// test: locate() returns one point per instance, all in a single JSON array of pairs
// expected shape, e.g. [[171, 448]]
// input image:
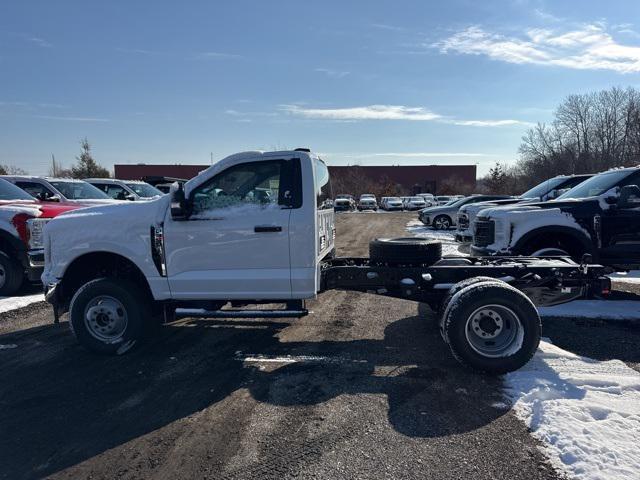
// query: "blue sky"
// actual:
[[370, 82]]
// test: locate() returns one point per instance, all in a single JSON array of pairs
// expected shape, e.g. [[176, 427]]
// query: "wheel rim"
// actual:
[[105, 318], [442, 222], [3, 276], [494, 331]]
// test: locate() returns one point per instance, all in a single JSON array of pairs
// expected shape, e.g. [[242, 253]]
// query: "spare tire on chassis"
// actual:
[[405, 251], [491, 326]]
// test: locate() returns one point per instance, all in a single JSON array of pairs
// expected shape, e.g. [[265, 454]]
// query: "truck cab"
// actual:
[[600, 217], [252, 228]]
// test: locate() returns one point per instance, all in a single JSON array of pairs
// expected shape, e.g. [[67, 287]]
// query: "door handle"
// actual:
[[267, 228]]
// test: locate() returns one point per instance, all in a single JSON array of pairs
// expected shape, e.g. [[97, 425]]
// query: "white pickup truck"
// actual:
[[255, 228]]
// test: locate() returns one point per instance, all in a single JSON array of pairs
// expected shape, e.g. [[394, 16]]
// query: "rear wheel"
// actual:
[[11, 275], [109, 315], [405, 251], [492, 327]]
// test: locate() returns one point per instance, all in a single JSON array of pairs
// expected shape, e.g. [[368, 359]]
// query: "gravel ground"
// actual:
[[363, 387]]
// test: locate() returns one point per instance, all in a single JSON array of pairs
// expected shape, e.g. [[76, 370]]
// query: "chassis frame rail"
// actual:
[[546, 281]]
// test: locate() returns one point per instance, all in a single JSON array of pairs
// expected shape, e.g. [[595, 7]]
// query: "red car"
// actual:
[[22, 219]]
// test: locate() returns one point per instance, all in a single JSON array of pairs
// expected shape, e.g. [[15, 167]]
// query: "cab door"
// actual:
[[235, 243], [621, 232]]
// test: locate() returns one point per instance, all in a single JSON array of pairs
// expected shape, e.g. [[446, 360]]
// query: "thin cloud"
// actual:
[[39, 42], [384, 26], [215, 56], [371, 112], [589, 47], [72, 119], [390, 112], [418, 155], [332, 73]]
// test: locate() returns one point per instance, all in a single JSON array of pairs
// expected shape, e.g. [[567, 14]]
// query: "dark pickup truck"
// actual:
[[599, 217]]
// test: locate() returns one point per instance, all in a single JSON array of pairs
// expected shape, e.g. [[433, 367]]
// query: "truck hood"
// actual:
[[568, 206]]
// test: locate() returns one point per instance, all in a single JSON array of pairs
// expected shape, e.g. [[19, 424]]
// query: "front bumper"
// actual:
[[426, 219], [481, 251], [35, 264]]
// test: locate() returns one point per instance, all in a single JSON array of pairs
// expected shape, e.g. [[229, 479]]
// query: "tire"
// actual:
[[109, 315], [405, 251], [492, 327], [442, 222], [455, 289], [11, 275]]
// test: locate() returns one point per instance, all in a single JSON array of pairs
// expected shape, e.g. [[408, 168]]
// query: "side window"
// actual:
[[247, 185], [115, 191], [35, 189], [324, 194], [632, 201]]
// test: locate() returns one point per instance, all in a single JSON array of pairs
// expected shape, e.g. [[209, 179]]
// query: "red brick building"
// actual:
[[410, 178]]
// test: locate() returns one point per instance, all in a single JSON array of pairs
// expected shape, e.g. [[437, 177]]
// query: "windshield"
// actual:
[[543, 188], [393, 199], [457, 202], [417, 199], [144, 189], [78, 190], [8, 191], [595, 185]]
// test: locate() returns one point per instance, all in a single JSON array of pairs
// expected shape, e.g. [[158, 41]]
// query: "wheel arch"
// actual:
[[92, 265], [541, 236]]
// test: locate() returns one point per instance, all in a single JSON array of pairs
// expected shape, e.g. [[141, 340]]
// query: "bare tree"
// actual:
[[11, 170]]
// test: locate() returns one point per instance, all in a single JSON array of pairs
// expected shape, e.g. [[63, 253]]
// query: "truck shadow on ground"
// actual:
[[61, 405]]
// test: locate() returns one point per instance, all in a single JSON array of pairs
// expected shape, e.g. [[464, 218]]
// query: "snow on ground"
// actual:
[[586, 412], [626, 277], [603, 309], [12, 303], [447, 237]]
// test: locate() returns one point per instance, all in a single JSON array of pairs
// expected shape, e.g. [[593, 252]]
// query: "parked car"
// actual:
[[444, 217], [443, 200], [343, 205], [429, 199], [134, 190], [545, 191], [392, 204], [350, 205], [22, 219], [367, 203], [48, 189], [414, 203], [600, 217], [162, 183]]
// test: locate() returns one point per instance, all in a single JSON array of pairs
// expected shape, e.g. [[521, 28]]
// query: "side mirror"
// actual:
[[629, 194], [44, 197], [179, 209], [131, 197], [611, 200]]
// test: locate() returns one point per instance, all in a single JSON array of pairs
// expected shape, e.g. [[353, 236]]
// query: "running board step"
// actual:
[[199, 313]]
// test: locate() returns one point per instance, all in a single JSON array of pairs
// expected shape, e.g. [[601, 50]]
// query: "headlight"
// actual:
[[35, 227]]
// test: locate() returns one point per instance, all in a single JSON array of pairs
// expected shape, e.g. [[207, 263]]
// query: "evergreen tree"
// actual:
[[87, 167]]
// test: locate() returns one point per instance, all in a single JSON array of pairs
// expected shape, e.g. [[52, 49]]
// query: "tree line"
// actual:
[[589, 133]]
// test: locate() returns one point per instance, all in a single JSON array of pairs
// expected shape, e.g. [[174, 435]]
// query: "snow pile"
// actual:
[[12, 303], [586, 412], [602, 309], [449, 244]]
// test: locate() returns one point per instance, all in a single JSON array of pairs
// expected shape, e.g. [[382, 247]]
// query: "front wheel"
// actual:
[[442, 222], [108, 315], [492, 327], [11, 275]]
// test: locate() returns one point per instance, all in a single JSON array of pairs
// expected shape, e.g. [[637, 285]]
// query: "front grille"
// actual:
[[484, 233], [463, 221]]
